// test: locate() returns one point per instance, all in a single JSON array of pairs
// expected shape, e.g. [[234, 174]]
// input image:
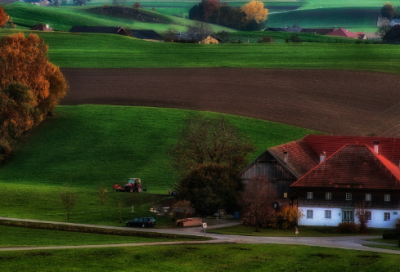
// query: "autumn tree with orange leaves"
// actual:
[[255, 11], [30, 87], [3, 17]]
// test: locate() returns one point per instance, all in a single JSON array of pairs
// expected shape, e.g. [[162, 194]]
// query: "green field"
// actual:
[[303, 232], [231, 257], [63, 18], [88, 145], [21, 237], [316, 4], [115, 51]]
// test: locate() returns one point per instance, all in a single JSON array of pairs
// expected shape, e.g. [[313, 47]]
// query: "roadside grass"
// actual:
[[16, 236], [230, 257], [303, 232], [115, 51], [386, 241], [88, 145], [383, 246], [63, 18]]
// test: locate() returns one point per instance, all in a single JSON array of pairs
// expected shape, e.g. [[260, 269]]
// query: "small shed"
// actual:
[[42, 27]]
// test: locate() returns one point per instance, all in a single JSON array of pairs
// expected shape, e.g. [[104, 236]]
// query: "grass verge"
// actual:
[[382, 246], [303, 232], [227, 257], [22, 236]]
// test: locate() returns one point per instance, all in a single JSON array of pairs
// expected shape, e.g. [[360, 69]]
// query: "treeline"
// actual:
[[390, 12], [212, 11], [30, 87]]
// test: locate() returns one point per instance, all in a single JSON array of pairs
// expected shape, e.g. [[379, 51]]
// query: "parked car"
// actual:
[[142, 222]]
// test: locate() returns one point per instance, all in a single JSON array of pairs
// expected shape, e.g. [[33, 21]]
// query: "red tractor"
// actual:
[[134, 185]]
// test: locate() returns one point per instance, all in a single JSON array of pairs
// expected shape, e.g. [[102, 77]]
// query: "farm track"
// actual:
[[330, 101]]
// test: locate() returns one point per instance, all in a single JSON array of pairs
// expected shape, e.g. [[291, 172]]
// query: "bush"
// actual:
[[348, 228], [396, 225], [391, 235], [266, 39], [288, 217], [295, 38]]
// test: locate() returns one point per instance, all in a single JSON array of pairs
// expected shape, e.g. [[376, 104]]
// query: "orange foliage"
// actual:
[[3, 17], [30, 87], [255, 11], [24, 60]]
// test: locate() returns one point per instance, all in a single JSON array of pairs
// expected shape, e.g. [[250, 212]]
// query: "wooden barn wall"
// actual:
[[267, 166]]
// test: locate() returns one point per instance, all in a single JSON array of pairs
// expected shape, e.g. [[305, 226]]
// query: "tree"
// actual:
[[287, 217], [200, 29], [181, 208], [257, 203], [388, 11], [204, 140], [9, 24], [56, 3], [170, 34], [363, 214], [79, 2], [223, 35], [64, 2], [102, 197], [255, 11], [136, 5], [68, 199], [3, 17], [209, 188], [383, 29], [24, 60]]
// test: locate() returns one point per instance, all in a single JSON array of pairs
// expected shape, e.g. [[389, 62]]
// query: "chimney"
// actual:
[[376, 147], [322, 156], [285, 157]]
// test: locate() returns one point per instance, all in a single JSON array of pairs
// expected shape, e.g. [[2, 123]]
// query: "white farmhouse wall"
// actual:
[[377, 217]]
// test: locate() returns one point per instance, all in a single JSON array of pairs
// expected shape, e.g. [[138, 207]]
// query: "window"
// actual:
[[386, 216], [309, 195], [284, 195], [386, 197], [328, 195], [348, 196], [367, 197], [368, 215], [327, 213], [309, 213]]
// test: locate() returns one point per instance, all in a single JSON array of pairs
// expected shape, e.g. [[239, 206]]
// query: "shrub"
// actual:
[[396, 225], [266, 39], [348, 228], [391, 235], [288, 217], [295, 38]]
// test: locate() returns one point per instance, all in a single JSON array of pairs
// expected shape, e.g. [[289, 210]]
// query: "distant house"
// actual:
[[194, 37], [321, 31], [341, 32], [393, 36], [98, 29], [329, 177], [146, 34], [42, 27], [395, 22]]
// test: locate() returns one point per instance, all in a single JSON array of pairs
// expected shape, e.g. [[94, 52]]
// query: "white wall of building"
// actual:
[[377, 217]]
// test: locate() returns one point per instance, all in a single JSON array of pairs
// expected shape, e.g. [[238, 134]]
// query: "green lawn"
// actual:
[[303, 232], [91, 144], [387, 241], [230, 257], [16, 236], [383, 246], [316, 4]]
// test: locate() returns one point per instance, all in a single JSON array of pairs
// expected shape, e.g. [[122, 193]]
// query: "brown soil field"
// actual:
[[330, 101]]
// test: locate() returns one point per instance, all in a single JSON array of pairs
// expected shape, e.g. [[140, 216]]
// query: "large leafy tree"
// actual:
[[255, 11], [388, 11], [30, 87], [3, 17], [210, 187], [204, 140]]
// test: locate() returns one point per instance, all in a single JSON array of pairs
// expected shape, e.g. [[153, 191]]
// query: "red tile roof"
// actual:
[[343, 33], [353, 166]]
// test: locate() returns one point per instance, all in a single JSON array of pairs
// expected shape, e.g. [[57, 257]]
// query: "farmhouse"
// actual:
[[146, 35], [210, 39], [99, 29], [341, 32], [329, 177], [41, 27]]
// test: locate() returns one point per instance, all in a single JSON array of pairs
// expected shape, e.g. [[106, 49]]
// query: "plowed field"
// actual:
[[331, 101]]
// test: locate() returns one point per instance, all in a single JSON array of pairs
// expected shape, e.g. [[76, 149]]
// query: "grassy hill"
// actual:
[[63, 18], [87, 145]]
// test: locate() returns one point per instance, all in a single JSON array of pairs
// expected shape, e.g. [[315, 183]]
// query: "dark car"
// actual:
[[142, 222]]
